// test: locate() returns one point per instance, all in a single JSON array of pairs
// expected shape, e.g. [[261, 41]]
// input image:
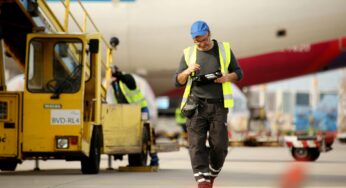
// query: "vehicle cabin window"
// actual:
[[55, 65]]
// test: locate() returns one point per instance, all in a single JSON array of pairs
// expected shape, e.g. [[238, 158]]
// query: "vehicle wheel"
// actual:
[[252, 142], [342, 140], [314, 154], [8, 165], [305, 154], [141, 159], [91, 164]]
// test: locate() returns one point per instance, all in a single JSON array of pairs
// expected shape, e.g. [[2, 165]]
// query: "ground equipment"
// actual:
[[315, 130], [62, 112]]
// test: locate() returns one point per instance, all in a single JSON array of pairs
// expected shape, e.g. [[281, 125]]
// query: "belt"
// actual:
[[214, 101]]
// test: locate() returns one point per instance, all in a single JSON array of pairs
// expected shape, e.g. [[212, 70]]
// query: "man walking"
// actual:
[[199, 71]]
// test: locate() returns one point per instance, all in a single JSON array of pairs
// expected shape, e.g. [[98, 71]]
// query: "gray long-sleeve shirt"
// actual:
[[209, 62]]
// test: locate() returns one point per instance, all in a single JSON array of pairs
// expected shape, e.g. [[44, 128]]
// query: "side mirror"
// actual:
[[94, 45]]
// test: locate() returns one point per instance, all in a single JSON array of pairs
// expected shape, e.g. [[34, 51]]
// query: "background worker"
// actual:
[[126, 91], [180, 119], [214, 98]]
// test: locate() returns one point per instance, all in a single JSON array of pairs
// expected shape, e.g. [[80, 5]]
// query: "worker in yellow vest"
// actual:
[[207, 70], [126, 91], [180, 119]]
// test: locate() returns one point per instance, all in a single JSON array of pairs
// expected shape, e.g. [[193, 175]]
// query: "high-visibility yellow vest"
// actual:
[[190, 54], [134, 96], [179, 117]]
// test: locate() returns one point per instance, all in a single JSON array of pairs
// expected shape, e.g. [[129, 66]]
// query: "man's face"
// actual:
[[203, 42]]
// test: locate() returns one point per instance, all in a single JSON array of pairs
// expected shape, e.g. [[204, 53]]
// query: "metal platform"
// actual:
[[138, 168]]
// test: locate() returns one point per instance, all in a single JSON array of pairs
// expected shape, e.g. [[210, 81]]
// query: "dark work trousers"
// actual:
[[207, 162]]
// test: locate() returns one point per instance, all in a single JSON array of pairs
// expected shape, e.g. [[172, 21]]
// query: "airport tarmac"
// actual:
[[244, 167]]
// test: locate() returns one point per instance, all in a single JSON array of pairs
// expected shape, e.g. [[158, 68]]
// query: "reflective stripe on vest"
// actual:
[[133, 96], [190, 54]]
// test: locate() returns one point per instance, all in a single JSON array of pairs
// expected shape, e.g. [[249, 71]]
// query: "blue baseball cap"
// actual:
[[199, 28]]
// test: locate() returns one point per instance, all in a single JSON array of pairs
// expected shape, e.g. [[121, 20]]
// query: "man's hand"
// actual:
[[192, 68], [230, 77], [183, 76]]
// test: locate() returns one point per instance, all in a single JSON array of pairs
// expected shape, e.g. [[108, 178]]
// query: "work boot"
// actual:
[[154, 159], [204, 185]]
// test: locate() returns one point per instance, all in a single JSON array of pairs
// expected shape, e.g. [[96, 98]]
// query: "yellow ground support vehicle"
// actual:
[[62, 113]]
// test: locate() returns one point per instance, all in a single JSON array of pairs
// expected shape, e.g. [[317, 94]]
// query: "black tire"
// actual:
[[342, 140], [8, 165], [141, 159], [300, 154], [314, 154], [91, 164], [252, 142], [305, 154]]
